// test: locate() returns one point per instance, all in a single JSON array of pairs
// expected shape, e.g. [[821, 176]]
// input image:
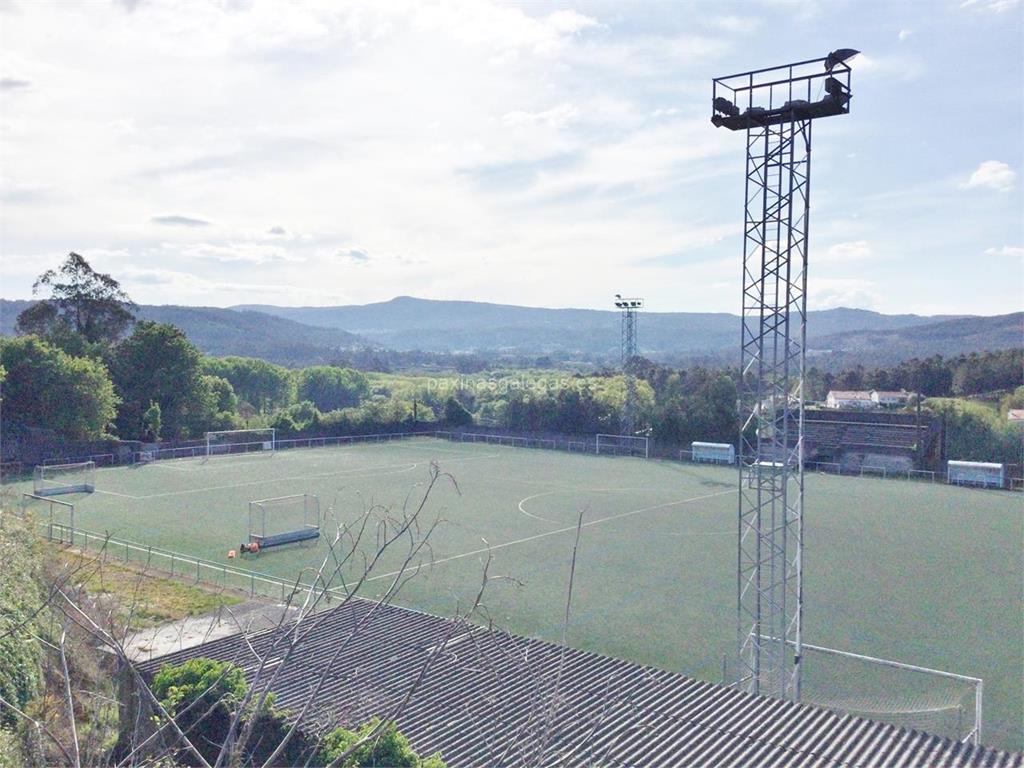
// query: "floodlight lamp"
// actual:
[[833, 87], [725, 106], [838, 56]]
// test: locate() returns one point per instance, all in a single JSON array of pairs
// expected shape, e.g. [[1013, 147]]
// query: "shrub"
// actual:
[[455, 414], [388, 748], [21, 598], [217, 686]]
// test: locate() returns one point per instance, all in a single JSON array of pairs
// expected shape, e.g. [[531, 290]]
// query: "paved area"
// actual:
[[251, 616]]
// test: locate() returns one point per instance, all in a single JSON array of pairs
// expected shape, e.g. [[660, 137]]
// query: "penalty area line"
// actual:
[[566, 529]]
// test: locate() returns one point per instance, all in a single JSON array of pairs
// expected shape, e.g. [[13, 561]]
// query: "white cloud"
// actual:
[[735, 24], [992, 174], [1015, 251], [570, 22], [843, 253], [904, 34], [556, 117], [470, 149], [177, 220], [13, 83], [831, 293], [227, 253], [899, 66], [993, 6]]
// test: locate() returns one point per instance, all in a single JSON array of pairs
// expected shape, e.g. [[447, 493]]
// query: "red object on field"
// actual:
[[231, 554]]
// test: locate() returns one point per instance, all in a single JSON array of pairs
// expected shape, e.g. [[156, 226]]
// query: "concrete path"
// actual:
[[251, 616]]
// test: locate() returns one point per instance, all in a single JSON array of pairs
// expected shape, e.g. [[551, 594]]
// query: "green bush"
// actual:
[[455, 414], [976, 431], [268, 732], [331, 388], [46, 388], [21, 599], [217, 686], [388, 748], [220, 687], [10, 749]]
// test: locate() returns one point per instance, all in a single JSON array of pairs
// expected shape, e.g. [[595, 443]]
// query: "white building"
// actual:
[[849, 399], [890, 399]]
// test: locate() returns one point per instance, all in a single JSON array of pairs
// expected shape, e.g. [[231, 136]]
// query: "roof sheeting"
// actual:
[[491, 698]]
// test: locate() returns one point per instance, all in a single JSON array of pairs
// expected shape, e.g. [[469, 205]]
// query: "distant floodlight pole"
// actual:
[[775, 107], [630, 308]]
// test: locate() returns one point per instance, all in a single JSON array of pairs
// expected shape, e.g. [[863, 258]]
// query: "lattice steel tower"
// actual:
[[775, 107], [630, 308]]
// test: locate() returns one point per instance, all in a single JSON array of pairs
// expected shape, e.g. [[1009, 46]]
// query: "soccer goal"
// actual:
[[240, 441], [906, 695], [622, 445], [54, 479], [282, 520]]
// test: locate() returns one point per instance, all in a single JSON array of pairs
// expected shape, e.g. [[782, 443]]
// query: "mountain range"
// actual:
[[307, 335], [221, 332]]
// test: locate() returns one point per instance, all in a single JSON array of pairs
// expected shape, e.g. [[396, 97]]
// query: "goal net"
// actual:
[[622, 445], [937, 702], [54, 479], [240, 441], [282, 515]]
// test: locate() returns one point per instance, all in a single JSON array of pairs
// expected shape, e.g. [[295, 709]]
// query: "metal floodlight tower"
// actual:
[[775, 107], [630, 308]]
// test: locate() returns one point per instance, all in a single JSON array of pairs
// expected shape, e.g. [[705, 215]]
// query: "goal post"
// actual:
[[54, 479], [942, 703], [241, 441], [622, 445], [282, 520]]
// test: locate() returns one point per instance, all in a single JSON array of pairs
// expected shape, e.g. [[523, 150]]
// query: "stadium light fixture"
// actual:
[[778, 105], [839, 55]]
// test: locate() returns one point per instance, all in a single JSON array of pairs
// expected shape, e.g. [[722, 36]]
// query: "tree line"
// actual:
[[960, 376], [83, 369]]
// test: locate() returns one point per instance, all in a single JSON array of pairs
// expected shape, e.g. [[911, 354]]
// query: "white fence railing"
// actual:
[[574, 444], [178, 565]]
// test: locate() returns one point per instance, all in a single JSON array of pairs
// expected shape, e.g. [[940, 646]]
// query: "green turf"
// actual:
[[920, 573]]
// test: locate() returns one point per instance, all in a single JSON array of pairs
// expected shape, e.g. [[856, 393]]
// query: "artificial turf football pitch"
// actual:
[[915, 572]]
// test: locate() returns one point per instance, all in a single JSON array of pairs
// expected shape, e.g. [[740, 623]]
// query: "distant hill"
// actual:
[[298, 336], [407, 323], [946, 337], [231, 332]]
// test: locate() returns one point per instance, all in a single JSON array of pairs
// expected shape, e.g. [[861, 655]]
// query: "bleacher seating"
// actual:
[[847, 435]]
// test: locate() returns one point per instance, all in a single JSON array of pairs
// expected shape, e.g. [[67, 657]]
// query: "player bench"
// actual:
[[258, 543]]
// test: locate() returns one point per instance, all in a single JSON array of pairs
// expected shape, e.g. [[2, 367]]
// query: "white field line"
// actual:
[[115, 493], [167, 464], [570, 490], [537, 496], [370, 471], [557, 531]]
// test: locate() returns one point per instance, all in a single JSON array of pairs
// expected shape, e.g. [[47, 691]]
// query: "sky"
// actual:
[[544, 154]]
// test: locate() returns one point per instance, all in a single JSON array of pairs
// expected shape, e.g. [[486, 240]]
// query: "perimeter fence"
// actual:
[[491, 436]]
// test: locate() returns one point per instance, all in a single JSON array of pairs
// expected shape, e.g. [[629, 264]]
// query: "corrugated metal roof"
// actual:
[[491, 698]]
